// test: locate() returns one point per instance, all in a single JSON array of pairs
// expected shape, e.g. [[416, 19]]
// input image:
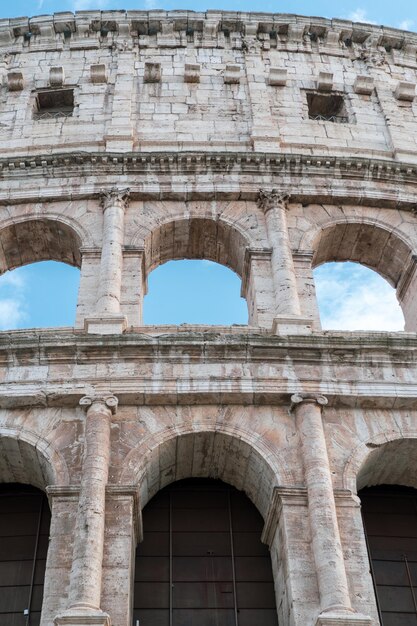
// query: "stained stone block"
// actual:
[[405, 91], [98, 73], [15, 81], [232, 74], [277, 76], [364, 85], [152, 72]]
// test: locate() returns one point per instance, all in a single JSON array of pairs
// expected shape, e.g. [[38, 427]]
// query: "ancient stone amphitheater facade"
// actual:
[[269, 144]]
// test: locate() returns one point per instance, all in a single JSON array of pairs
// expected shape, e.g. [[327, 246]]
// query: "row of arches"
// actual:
[[201, 559], [350, 297], [213, 246]]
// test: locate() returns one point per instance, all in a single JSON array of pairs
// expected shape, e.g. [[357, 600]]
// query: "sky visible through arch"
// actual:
[[350, 296]]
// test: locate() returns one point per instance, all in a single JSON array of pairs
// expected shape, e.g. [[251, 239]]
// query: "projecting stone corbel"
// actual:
[[56, 76], [15, 81], [232, 74], [191, 73], [325, 81], [405, 91], [277, 77], [152, 72], [363, 85], [98, 74]]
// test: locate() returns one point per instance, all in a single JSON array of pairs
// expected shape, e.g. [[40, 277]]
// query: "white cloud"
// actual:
[[12, 300], [152, 4], [40, 4], [352, 297], [406, 24], [12, 313], [359, 15]]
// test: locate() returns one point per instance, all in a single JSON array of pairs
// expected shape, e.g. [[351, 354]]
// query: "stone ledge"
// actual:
[[343, 619], [350, 175], [87, 28]]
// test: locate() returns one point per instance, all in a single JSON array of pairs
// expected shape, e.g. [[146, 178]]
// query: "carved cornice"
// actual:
[[376, 182], [127, 29], [115, 197]]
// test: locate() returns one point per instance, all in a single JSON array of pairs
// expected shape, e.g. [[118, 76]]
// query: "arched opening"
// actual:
[[201, 561], [39, 295], [194, 292], [386, 483], [353, 297], [24, 532], [39, 282], [390, 520], [190, 252], [373, 247]]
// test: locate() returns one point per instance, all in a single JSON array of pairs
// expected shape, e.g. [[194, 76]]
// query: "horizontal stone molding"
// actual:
[[95, 29], [375, 182], [212, 346]]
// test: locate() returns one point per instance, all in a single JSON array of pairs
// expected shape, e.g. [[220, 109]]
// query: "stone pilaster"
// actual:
[[287, 317], [264, 130], [108, 318], [335, 605], [86, 571]]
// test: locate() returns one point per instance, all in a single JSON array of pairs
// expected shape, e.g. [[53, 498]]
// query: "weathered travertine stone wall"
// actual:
[[191, 137]]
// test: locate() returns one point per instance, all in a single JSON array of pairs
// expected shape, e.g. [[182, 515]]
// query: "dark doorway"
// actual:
[[202, 562], [24, 533], [390, 520]]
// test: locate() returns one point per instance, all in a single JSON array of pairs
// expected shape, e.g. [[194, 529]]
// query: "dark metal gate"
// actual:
[[390, 520], [202, 562], [24, 532]]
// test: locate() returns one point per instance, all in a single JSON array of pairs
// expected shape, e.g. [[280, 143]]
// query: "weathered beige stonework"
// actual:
[[190, 137]]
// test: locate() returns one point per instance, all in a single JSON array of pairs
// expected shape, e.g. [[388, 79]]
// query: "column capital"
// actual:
[[109, 400], [308, 398], [115, 197], [271, 198]]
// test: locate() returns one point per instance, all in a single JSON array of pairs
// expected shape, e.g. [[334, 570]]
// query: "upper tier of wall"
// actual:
[[173, 81]]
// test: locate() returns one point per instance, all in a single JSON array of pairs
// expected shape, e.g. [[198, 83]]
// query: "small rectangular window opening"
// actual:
[[327, 107], [54, 103]]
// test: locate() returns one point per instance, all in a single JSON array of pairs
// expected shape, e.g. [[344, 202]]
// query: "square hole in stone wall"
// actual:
[[51, 103], [327, 107]]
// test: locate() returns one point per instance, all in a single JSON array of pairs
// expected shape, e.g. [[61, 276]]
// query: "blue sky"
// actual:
[[350, 296]]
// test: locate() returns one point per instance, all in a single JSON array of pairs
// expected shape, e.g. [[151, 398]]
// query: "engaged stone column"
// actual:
[[287, 305], [86, 570], [108, 315], [335, 605]]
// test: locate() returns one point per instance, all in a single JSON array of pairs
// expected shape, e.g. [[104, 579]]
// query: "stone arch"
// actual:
[[26, 240], [28, 458], [374, 244], [387, 458], [196, 238], [232, 456]]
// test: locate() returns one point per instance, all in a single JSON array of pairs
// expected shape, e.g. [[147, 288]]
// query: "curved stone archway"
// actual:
[[248, 466], [389, 458], [29, 459], [374, 244], [31, 240], [196, 238]]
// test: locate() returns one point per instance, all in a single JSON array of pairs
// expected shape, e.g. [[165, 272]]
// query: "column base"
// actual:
[[82, 617], [292, 325], [113, 325], [343, 618]]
